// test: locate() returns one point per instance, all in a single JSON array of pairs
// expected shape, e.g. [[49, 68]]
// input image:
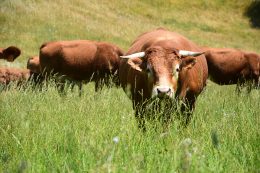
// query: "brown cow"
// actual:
[[81, 60], [20, 76], [33, 64], [8, 75], [161, 64], [231, 66], [10, 53]]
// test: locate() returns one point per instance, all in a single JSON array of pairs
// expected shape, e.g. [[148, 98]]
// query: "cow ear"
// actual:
[[135, 64], [11, 52], [188, 62]]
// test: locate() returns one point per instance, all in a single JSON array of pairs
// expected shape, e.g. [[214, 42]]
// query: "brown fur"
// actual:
[[80, 60], [161, 47], [8, 75], [21, 76], [10, 53], [231, 66], [18, 75], [33, 64]]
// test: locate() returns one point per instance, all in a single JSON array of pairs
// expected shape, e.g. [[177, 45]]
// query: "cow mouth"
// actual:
[[164, 96], [161, 104], [163, 92]]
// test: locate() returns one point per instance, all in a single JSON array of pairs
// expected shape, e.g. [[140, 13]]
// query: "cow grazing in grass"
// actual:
[[163, 64], [33, 64], [81, 60], [19, 75], [8, 75], [231, 66], [10, 53]]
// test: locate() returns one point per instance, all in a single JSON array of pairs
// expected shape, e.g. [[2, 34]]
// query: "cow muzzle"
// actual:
[[163, 91]]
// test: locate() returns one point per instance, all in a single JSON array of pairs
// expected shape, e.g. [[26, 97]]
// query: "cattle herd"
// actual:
[[159, 64]]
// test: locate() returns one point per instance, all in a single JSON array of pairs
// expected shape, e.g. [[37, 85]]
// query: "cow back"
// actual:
[[80, 59]]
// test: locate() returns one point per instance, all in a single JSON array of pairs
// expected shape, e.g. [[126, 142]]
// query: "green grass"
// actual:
[[49, 133], [46, 132]]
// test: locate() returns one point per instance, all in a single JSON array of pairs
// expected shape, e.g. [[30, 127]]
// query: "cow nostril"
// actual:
[[163, 90]]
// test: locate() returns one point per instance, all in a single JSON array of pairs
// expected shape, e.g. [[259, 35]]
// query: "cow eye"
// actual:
[[177, 69]]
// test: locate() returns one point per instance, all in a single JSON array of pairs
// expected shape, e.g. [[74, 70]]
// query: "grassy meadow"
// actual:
[[97, 132]]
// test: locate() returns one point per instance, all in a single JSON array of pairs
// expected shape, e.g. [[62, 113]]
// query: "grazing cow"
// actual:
[[8, 75], [10, 53], [231, 66], [33, 64], [162, 64], [81, 60]]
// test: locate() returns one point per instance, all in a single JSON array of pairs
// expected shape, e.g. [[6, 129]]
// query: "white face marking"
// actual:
[[176, 71], [163, 87], [163, 81]]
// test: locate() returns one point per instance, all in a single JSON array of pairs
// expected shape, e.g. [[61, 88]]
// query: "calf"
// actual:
[[20, 76], [33, 64], [8, 75]]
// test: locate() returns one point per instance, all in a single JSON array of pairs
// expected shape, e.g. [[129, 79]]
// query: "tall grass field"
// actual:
[[44, 131]]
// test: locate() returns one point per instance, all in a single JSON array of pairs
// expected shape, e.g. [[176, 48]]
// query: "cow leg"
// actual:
[[99, 85], [61, 87], [239, 87], [107, 81], [187, 109], [60, 84], [72, 85], [79, 84], [249, 86], [258, 82], [80, 88]]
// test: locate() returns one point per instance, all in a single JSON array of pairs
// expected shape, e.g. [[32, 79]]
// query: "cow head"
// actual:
[[33, 64], [162, 67], [10, 53]]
